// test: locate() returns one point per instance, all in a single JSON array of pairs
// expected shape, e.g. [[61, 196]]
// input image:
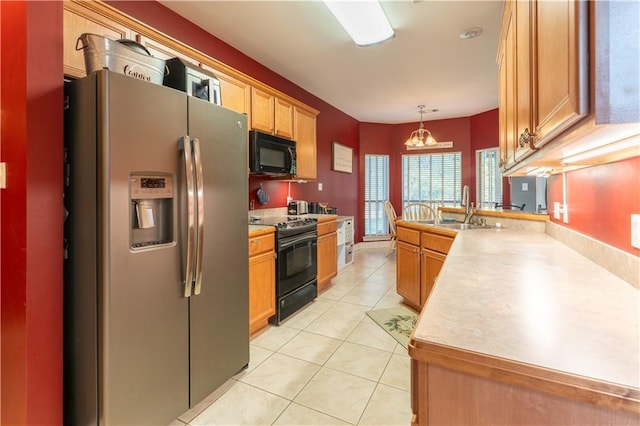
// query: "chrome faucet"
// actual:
[[468, 207]]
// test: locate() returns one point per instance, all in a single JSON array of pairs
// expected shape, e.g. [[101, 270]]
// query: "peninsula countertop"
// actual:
[[524, 302]]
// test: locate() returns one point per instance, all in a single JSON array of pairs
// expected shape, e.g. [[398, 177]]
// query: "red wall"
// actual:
[[31, 222], [468, 134], [601, 200]]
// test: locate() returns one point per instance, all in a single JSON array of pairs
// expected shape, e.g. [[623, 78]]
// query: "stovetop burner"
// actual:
[[286, 222]]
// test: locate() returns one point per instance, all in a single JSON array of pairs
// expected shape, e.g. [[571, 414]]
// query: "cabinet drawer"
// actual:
[[327, 227], [410, 236], [261, 244], [435, 242]]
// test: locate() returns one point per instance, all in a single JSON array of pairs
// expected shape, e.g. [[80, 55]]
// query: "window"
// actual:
[[488, 178], [432, 178], [376, 191]]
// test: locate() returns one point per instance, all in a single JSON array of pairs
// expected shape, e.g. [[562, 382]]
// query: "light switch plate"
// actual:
[[320, 186], [635, 230], [525, 186], [3, 175]]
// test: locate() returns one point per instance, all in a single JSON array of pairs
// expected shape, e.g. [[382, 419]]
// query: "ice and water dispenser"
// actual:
[[151, 210]]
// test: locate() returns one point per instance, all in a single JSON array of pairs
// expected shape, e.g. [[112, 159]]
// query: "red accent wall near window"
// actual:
[[468, 134], [601, 200], [31, 236]]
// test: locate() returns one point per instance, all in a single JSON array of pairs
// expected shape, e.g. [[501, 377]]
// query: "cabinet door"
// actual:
[[262, 290], [163, 49], [305, 137], [430, 268], [408, 273], [283, 119], [236, 94], [327, 259], [507, 113], [78, 20], [561, 69], [262, 110], [522, 75]]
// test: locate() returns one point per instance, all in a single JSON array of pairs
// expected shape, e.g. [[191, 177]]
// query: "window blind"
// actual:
[[488, 178], [430, 178], [376, 191]]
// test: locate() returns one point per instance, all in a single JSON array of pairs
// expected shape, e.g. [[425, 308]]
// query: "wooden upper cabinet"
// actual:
[[78, 20], [506, 86], [271, 114], [236, 94], [162, 50], [304, 124], [267, 109], [262, 110], [283, 118], [543, 73], [560, 84], [522, 76]]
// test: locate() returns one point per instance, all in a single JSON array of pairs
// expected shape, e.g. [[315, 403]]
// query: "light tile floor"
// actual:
[[328, 364]]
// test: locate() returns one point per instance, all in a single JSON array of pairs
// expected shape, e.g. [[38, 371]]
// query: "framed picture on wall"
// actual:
[[342, 158]]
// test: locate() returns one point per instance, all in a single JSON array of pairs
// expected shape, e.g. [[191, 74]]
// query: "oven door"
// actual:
[[297, 261]]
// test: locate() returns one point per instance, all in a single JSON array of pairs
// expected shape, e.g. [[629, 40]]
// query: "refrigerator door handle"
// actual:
[[185, 146], [197, 161]]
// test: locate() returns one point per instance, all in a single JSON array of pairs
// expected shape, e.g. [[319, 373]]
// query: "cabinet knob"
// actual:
[[526, 138]]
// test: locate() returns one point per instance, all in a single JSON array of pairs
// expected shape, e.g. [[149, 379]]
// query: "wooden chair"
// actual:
[[418, 211], [391, 216]]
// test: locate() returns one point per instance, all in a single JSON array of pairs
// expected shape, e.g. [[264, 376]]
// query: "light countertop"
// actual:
[[259, 230], [526, 298]]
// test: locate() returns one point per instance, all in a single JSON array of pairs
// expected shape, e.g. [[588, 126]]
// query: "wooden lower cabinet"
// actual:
[[430, 266], [452, 396], [327, 253], [419, 259], [262, 281], [408, 273]]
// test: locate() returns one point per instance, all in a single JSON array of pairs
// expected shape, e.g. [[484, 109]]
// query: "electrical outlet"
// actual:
[[635, 230], [559, 209], [320, 186]]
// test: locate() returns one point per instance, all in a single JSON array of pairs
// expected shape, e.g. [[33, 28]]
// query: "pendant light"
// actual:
[[421, 137]]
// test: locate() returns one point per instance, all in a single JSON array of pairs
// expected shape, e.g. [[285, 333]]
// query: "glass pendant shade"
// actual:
[[421, 137]]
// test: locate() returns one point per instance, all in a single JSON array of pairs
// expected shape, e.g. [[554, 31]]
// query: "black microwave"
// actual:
[[271, 155]]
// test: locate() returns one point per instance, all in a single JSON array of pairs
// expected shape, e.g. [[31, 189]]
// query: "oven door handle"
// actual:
[[287, 242]]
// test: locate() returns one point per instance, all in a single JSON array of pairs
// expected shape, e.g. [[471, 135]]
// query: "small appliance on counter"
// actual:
[[322, 208], [193, 80], [298, 207]]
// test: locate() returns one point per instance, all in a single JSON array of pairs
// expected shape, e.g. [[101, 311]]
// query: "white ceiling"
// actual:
[[425, 63]]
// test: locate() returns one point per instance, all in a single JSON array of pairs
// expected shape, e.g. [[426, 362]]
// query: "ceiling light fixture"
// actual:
[[421, 137], [471, 33], [364, 21]]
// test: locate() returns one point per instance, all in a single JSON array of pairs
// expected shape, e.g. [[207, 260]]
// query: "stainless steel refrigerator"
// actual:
[[156, 270]]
